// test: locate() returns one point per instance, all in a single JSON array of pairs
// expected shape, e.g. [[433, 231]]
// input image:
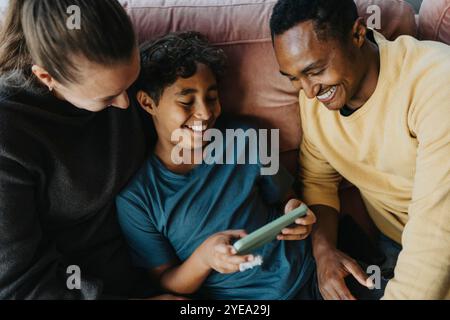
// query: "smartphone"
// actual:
[[269, 232]]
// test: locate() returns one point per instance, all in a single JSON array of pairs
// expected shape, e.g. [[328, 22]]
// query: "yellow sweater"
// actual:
[[396, 150]]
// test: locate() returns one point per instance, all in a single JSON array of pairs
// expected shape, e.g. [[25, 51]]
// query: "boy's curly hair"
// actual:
[[176, 55]]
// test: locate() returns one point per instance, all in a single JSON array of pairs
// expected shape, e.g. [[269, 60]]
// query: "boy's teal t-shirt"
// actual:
[[165, 216]]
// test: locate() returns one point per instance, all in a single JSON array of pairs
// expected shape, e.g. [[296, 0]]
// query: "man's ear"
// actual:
[[44, 77], [359, 32], [146, 102]]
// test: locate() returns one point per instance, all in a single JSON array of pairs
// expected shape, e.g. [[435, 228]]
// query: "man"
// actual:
[[376, 113]]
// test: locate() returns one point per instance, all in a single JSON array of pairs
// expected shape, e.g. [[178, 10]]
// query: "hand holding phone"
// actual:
[[269, 232]]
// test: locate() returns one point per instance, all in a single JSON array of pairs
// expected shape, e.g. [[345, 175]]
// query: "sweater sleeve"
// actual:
[[319, 180], [31, 267], [423, 268]]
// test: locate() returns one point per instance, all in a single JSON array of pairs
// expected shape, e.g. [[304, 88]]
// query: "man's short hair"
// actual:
[[176, 55], [331, 18]]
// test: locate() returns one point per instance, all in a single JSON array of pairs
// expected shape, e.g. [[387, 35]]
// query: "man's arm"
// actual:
[[320, 184], [423, 267], [324, 235]]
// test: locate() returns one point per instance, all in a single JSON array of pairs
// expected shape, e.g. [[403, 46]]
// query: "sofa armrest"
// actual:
[[397, 17], [434, 20]]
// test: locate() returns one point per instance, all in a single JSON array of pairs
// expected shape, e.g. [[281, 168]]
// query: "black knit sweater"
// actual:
[[60, 169]]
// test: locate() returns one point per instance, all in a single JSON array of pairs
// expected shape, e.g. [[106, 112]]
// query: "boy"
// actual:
[[174, 214]]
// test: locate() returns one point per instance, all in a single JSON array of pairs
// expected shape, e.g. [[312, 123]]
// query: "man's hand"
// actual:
[[304, 225], [333, 266], [218, 254]]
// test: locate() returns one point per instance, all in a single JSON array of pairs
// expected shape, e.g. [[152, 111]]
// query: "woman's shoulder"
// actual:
[[10, 116], [19, 103], [19, 115]]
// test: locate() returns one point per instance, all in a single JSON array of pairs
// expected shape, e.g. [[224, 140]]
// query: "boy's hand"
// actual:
[[304, 225], [218, 253]]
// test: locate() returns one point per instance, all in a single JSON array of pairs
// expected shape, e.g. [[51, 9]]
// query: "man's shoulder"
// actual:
[[425, 70], [419, 60], [409, 43]]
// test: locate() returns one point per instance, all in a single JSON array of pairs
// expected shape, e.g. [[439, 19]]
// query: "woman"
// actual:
[[69, 142]]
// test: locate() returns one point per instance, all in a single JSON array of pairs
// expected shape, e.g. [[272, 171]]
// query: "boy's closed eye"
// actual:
[[189, 103], [186, 103]]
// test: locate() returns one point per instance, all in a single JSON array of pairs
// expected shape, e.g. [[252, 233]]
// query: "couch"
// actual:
[[253, 86]]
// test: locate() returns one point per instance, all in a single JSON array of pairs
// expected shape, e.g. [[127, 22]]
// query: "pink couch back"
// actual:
[[253, 85], [434, 20], [397, 17]]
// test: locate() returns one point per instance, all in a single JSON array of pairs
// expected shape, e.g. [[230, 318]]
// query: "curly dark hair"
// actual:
[[331, 18], [176, 55]]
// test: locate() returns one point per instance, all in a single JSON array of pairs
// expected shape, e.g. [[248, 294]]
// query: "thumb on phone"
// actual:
[[235, 233], [291, 205]]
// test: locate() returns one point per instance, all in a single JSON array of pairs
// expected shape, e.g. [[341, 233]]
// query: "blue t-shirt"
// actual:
[[165, 216]]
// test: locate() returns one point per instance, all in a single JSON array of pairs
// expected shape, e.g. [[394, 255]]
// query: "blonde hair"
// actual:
[[36, 32]]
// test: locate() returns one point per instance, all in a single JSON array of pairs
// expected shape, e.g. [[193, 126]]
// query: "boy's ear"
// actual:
[[146, 102]]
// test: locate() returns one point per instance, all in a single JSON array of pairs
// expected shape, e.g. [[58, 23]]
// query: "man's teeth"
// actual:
[[327, 95]]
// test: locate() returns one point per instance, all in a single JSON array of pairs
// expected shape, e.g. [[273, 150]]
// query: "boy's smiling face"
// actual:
[[189, 106]]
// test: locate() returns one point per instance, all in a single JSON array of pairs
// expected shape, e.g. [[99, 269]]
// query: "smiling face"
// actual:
[[327, 69], [189, 106]]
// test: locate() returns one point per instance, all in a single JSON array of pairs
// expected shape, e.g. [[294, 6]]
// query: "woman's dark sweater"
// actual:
[[60, 170]]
